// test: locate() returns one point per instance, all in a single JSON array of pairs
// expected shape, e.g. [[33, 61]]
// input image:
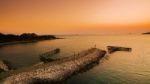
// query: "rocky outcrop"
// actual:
[[112, 49], [4, 66], [58, 70]]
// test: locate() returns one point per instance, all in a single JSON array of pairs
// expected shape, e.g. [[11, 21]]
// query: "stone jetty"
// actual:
[[46, 57], [57, 71], [112, 49]]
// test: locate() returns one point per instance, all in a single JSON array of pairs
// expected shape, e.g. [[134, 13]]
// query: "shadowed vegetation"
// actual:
[[24, 37]]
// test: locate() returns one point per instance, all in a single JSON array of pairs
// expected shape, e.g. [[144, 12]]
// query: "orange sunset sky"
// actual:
[[74, 16]]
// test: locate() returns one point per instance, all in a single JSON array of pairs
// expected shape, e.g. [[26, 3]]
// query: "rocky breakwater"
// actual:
[[57, 71]]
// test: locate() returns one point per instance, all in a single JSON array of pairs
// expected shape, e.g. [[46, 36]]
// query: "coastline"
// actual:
[[9, 39], [25, 41]]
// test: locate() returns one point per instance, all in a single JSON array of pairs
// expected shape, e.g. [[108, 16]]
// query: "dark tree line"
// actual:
[[24, 37]]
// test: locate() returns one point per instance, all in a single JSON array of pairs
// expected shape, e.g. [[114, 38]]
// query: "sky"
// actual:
[[74, 16]]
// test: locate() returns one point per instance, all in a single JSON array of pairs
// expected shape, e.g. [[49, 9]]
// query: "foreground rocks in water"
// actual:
[[112, 49], [46, 57], [4, 66], [57, 71]]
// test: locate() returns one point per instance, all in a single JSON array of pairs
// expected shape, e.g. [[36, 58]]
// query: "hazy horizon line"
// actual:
[[76, 34]]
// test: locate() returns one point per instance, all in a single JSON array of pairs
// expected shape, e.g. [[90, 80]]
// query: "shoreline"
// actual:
[[25, 41], [9, 39]]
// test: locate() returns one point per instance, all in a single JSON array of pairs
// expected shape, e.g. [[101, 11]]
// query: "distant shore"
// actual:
[[21, 42], [146, 33], [10, 39]]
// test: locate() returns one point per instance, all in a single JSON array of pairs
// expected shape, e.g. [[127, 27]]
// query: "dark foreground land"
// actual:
[[23, 38]]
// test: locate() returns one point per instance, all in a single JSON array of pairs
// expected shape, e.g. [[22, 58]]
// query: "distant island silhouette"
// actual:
[[146, 33], [25, 37]]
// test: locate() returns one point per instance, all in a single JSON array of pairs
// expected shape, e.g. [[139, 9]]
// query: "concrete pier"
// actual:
[[112, 49], [46, 57], [58, 70]]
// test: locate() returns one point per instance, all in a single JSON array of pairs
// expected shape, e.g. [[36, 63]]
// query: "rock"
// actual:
[[4, 66], [112, 49], [46, 57]]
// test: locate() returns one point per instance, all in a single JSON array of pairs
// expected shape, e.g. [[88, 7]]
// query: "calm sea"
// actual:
[[117, 68]]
